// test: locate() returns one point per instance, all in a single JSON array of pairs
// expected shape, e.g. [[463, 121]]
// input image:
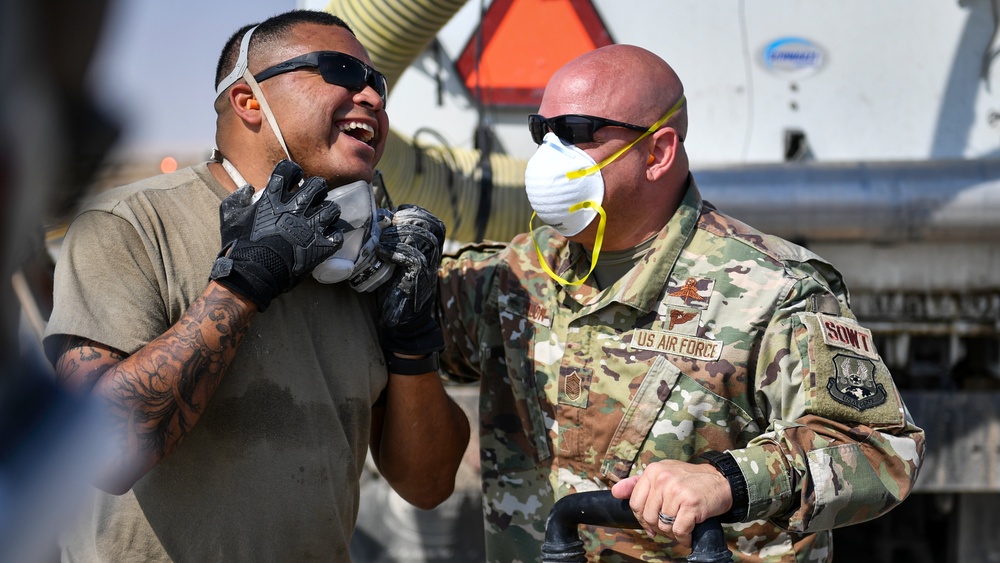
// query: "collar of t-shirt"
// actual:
[[612, 266]]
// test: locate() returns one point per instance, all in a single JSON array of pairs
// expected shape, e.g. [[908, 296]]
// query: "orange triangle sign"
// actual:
[[523, 42]]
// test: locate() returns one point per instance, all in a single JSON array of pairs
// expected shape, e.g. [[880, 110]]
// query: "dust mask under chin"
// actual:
[[552, 193], [356, 261]]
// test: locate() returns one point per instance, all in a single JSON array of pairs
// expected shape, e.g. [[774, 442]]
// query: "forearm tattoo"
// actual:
[[81, 362], [155, 396]]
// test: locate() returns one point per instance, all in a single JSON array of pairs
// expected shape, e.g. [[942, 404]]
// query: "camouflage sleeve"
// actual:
[[465, 289], [840, 447]]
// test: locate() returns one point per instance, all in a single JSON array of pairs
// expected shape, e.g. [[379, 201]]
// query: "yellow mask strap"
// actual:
[[652, 129], [598, 241]]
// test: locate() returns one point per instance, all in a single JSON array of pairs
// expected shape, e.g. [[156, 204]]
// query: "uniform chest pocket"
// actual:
[[673, 416]]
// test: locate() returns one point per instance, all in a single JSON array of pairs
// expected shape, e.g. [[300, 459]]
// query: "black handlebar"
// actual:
[[600, 508]]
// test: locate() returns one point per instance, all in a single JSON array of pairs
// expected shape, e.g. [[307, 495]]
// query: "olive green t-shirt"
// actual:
[[270, 472]]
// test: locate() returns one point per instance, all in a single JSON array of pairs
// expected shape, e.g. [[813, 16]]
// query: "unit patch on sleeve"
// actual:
[[844, 376], [854, 384]]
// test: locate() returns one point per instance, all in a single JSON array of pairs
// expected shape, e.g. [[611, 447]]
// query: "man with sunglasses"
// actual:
[[242, 395], [642, 341]]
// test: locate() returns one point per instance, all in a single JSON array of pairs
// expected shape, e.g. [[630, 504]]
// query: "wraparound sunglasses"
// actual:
[[572, 128], [336, 68]]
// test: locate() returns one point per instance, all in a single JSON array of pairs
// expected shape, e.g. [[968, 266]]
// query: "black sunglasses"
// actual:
[[336, 68], [572, 128]]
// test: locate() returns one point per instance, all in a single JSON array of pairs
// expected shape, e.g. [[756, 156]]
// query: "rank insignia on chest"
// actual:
[[574, 386], [676, 344], [854, 384]]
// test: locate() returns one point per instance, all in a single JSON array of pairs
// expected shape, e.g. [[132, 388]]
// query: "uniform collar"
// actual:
[[642, 287]]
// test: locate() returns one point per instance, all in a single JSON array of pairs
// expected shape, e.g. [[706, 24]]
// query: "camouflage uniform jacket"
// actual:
[[720, 338]]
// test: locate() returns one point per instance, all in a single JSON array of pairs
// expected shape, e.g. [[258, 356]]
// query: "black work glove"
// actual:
[[407, 300], [270, 245]]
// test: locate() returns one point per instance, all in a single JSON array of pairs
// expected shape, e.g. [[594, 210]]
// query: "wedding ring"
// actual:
[[668, 520]]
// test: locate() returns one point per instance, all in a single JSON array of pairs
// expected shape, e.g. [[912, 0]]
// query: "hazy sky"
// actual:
[[155, 67]]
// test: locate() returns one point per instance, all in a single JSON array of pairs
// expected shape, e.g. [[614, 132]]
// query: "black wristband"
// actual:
[[726, 464], [412, 366], [245, 278]]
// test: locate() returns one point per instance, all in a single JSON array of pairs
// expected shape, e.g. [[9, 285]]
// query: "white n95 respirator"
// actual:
[[356, 261], [551, 191]]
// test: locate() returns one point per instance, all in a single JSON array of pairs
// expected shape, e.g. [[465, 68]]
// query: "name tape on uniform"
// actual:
[[677, 344]]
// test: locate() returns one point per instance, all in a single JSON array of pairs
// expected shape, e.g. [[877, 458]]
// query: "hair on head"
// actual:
[[271, 29]]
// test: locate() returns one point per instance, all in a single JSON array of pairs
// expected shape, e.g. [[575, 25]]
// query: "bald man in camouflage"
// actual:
[[643, 341]]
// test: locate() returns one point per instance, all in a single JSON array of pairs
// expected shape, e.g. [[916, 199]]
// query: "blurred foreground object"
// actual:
[[52, 139]]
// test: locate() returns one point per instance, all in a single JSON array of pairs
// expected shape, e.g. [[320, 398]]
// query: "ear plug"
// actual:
[[252, 104]]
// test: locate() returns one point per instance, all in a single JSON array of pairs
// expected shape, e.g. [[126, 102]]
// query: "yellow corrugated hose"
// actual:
[[395, 32]]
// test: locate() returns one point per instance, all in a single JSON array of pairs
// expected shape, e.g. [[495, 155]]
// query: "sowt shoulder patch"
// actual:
[[847, 379]]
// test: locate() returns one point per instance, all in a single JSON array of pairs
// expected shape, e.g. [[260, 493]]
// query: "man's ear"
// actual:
[[662, 152], [244, 103]]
